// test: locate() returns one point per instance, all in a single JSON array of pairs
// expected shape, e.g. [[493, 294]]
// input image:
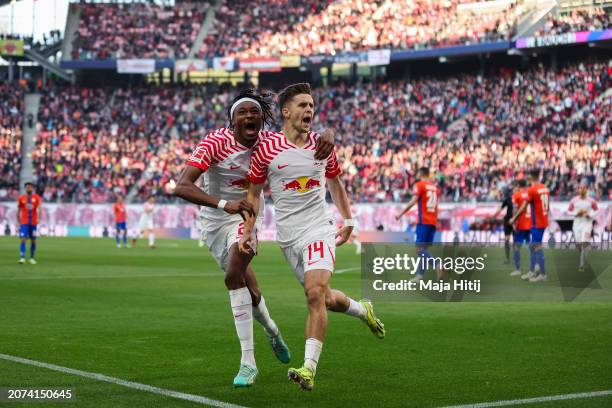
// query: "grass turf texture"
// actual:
[[162, 317]]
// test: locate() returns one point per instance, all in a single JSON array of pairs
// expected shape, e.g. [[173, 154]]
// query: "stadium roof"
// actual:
[[5, 2]]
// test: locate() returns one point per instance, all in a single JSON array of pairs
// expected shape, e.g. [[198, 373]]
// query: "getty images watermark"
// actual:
[[481, 272]]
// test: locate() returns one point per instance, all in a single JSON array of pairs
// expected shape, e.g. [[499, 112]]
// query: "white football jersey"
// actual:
[[578, 204], [225, 163], [147, 214], [297, 182]]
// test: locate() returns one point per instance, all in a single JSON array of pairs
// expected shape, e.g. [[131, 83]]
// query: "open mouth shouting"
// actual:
[[251, 127], [307, 121]]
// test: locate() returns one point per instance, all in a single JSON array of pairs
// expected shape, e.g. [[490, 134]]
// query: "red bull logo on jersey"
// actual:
[[242, 184], [302, 184]]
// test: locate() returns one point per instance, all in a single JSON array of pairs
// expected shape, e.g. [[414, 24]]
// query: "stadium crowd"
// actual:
[[325, 27], [11, 120], [249, 28], [475, 132], [591, 19], [137, 30]]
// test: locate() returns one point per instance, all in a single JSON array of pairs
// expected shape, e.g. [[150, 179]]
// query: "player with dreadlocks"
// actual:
[[223, 157]]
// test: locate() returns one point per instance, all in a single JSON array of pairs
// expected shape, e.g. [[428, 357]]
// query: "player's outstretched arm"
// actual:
[[340, 199], [411, 203], [189, 191], [253, 195]]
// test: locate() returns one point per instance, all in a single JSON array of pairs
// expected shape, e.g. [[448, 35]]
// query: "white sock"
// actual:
[[356, 309], [357, 246], [261, 314], [151, 239], [582, 256], [312, 353], [240, 300]]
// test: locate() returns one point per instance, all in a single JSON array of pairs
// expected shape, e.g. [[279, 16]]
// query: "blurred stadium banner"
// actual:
[[379, 57], [563, 39], [466, 222], [224, 63], [190, 65], [260, 64], [13, 48], [136, 66], [290, 61]]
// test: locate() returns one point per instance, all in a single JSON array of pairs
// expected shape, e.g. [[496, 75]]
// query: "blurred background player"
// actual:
[[145, 225], [223, 159], [120, 221], [508, 229], [425, 194], [522, 228], [306, 229], [28, 214], [538, 199], [583, 208]]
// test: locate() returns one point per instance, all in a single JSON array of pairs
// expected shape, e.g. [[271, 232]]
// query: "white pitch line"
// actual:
[[534, 400], [118, 381], [346, 270]]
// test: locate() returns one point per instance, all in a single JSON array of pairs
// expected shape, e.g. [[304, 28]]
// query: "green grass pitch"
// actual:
[[162, 317]]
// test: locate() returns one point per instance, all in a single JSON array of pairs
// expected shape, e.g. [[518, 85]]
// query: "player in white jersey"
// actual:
[[145, 225], [223, 157], [305, 225], [583, 208]]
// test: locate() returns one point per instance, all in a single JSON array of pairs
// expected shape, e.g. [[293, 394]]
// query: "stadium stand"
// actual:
[[324, 27], [477, 131], [591, 19], [11, 121], [137, 30]]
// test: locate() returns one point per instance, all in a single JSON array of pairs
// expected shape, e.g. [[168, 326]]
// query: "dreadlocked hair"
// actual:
[[263, 98]]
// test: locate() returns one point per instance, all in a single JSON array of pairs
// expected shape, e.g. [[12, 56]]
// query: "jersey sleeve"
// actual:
[[417, 190], [333, 168], [260, 161], [205, 154]]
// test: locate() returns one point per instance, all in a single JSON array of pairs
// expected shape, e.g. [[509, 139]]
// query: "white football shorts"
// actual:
[[316, 251], [220, 240]]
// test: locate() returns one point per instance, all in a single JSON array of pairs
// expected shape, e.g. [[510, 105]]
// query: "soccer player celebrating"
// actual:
[[583, 208], [120, 221], [538, 198], [223, 156], [28, 213], [522, 228], [507, 205], [305, 225], [426, 196], [146, 221]]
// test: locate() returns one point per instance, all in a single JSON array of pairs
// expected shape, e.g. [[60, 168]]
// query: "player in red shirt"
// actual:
[[120, 221], [522, 229], [426, 197], [28, 213], [538, 199]]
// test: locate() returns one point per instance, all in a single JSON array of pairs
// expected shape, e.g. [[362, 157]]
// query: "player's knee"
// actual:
[[233, 279], [316, 294]]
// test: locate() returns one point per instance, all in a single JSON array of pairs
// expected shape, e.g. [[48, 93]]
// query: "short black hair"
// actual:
[[292, 90], [534, 173], [264, 100], [424, 171], [521, 182], [28, 183]]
